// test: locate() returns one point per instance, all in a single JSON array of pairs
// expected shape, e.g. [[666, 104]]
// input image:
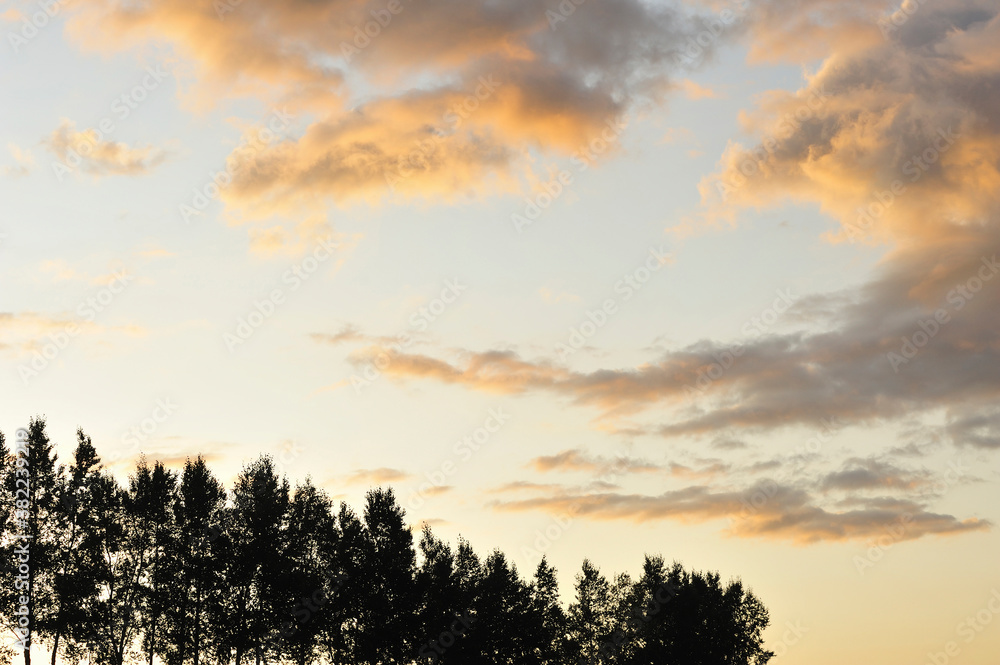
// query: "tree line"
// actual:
[[174, 568]]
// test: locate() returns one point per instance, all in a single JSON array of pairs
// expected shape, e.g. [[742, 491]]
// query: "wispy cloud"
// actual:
[[578, 460], [24, 161], [379, 476], [87, 151], [786, 513]]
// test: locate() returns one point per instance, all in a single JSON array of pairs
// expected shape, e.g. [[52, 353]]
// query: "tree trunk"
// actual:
[[155, 606], [197, 621], [152, 638], [55, 648]]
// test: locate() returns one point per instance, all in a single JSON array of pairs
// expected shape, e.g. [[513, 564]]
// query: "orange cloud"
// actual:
[[898, 145], [431, 100], [377, 476], [768, 511], [894, 141], [578, 460], [88, 151]]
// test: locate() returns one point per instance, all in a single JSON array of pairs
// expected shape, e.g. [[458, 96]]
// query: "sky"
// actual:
[[589, 278]]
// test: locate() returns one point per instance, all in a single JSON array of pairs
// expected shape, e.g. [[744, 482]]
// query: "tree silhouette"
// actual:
[[311, 577], [590, 617], [152, 520], [390, 628], [548, 642], [256, 547], [42, 527], [172, 567], [195, 566]]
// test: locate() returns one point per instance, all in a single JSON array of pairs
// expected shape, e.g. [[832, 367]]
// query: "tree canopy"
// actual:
[[174, 568]]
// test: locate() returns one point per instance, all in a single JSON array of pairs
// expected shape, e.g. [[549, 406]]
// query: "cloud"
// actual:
[[554, 298], [24, 161], [979, 428], [172, 450], [85, 150], [709, 470], [34, 325], [764, 511], [347, 334], [914, 109], [170, 459], [694, 90], [802, 31], [678, 135], [795, 378], [873, 474], [379, 476], [896, 140], [577, 460], [24, 333], [62, 271], [524, 486], [269, 241], [443, 102], [492, 371], [156, 253], [367, 346], [727, 443]]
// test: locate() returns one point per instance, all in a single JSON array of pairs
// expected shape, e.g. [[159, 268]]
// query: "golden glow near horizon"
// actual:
[[588, 279]]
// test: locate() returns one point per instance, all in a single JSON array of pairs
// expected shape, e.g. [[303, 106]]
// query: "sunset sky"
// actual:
[[714, 280]]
